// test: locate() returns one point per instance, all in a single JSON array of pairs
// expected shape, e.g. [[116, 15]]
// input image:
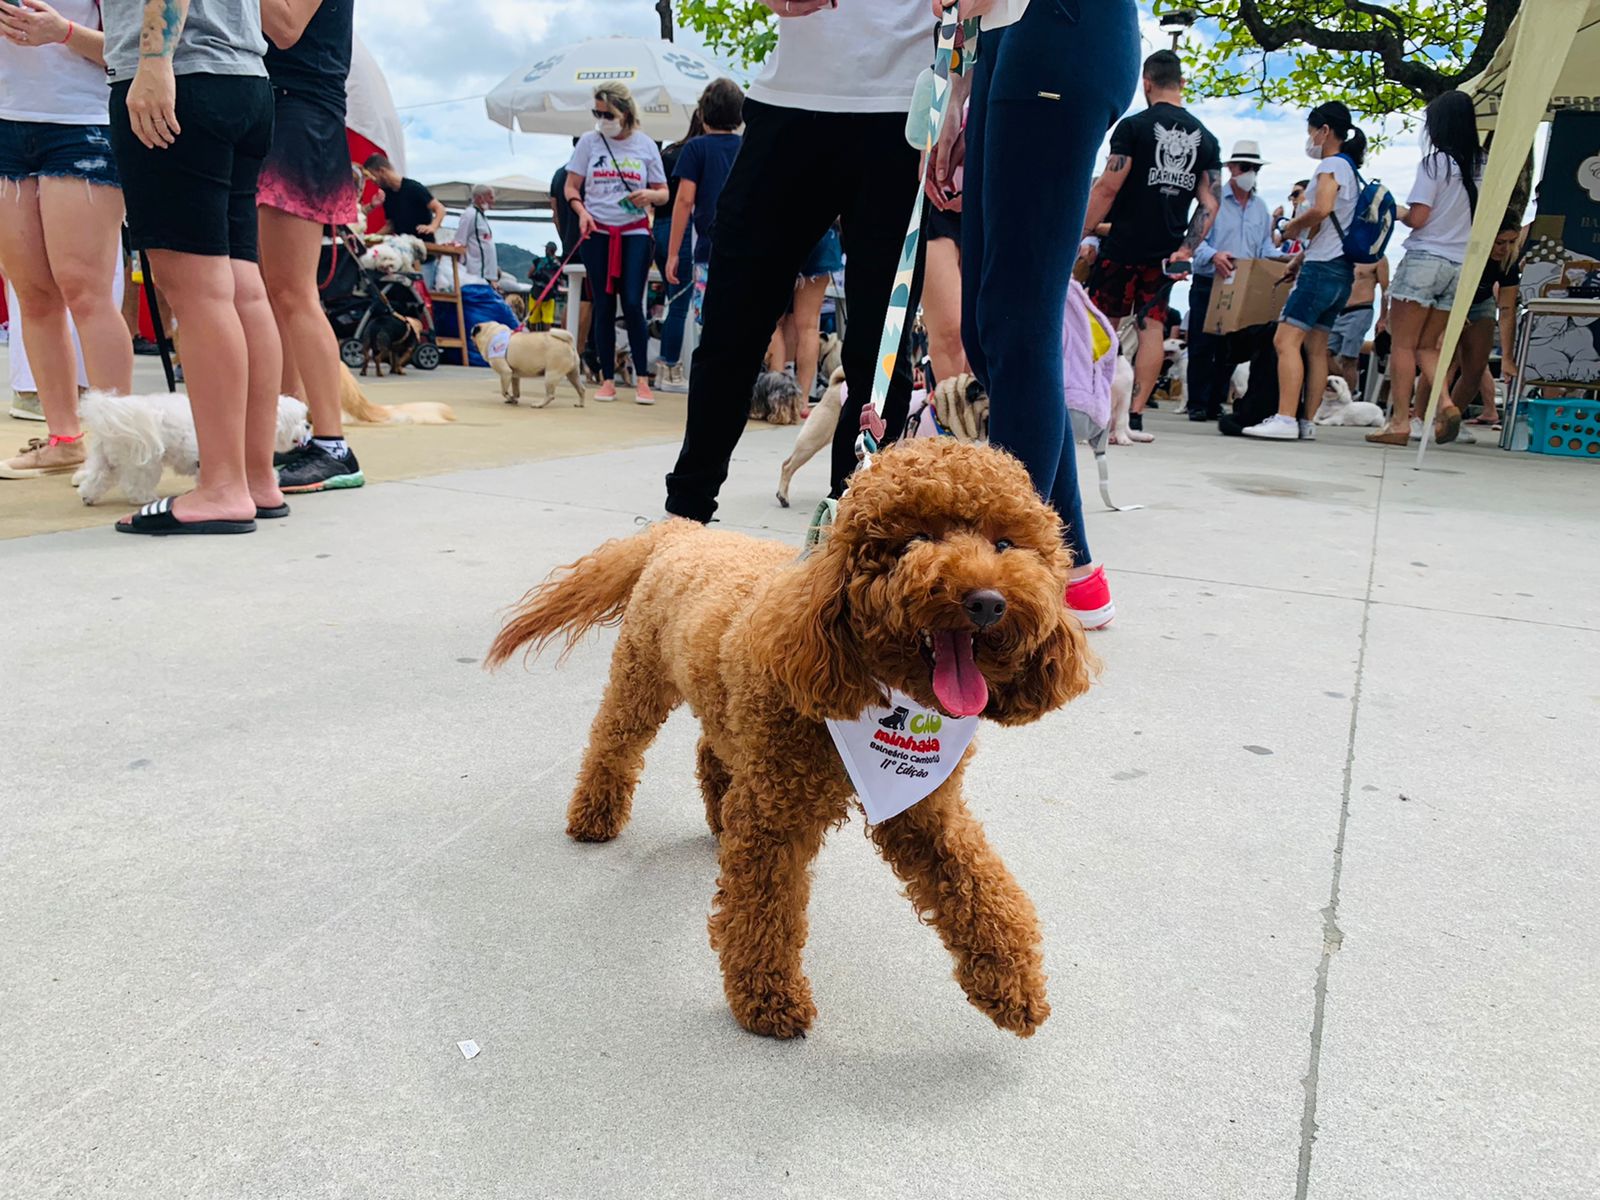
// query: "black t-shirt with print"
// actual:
[[1169, 151], [406, 208], [1497, 275]]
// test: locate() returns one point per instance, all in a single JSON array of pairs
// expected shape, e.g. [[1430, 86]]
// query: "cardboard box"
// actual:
[[1254, 296]]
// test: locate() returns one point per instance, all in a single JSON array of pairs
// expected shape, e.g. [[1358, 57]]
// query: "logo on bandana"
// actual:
[[1176, 152], [898, 753]]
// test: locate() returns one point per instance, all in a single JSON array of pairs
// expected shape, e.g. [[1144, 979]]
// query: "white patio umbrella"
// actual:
[[555, 94]]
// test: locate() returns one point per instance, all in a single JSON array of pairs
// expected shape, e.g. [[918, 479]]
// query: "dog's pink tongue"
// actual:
[[959, 685]]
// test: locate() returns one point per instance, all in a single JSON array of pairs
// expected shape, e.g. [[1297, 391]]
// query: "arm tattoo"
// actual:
[[1117, 162], [1200, 223], [163, 22]]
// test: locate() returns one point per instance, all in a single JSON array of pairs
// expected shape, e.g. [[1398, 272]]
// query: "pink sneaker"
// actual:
[[1089, 599]]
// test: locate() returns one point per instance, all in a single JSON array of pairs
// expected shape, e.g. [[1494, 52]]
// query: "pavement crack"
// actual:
[[1332, 934]]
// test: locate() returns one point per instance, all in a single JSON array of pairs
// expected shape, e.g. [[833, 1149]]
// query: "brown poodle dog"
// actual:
[[764, 647]]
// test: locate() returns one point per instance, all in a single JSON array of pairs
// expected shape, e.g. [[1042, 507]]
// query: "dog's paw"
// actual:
[[1121, 439], [594, 828], [774, 1007], [1012, 996], [783, 501]]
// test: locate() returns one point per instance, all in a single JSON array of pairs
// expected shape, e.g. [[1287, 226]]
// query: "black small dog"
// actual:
[[389, 338]]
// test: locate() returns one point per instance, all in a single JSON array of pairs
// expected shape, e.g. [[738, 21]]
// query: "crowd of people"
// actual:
[[221, 143]]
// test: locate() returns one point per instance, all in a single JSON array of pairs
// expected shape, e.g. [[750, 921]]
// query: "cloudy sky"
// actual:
[[439, 81]]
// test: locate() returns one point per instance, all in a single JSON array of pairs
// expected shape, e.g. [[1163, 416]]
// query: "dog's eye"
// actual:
[[1002, 545]]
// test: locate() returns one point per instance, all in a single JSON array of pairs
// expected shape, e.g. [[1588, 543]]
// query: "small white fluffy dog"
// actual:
[[396, 253], [1338, 408], [1121, 399], [133, 438]]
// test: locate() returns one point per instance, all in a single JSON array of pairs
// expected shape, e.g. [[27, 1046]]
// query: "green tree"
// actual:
[[1380, 59], [741, 29]]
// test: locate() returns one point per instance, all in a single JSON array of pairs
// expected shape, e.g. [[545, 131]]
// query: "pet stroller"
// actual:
[[354, 295]]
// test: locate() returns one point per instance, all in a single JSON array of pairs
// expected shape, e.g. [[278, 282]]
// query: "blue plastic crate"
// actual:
[[1569, 427]]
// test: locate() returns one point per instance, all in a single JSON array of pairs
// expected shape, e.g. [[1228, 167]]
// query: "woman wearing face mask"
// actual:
[[614, 178], [1442, 202], [1322, 274]]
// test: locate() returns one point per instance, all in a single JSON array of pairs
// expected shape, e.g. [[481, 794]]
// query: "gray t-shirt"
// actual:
[[221, 37]]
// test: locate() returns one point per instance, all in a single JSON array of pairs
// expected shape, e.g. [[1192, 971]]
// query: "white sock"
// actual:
[[337, 447]]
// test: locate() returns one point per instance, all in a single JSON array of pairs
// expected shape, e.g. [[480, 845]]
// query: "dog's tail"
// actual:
[[561, 335], [355, 404], [576, 598]]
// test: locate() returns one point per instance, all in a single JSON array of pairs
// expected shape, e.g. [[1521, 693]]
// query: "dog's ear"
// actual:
[[804, 639], [974, 391], [1060, 670]]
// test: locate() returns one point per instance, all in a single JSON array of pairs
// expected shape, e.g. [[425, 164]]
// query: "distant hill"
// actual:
[[515, 259]]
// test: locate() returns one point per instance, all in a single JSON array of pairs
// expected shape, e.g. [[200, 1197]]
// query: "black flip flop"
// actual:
[[157, 520], [273, 513]]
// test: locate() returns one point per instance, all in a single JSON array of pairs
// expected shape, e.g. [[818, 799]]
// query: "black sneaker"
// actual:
[[143, 345], [315, 470], [282, 458]]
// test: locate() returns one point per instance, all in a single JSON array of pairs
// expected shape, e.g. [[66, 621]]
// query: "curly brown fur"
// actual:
[[764, 647]]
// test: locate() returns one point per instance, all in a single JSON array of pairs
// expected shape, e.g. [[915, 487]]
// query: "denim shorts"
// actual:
[[1427, 279], [37, 149], [1319, 295], [1350, 332], [1485, 310], [825, 258]]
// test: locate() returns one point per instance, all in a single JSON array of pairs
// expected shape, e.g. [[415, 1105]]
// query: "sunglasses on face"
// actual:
[[601, 114]]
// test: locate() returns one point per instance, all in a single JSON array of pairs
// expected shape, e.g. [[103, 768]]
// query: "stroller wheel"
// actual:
[[426, 357], [353, 353]]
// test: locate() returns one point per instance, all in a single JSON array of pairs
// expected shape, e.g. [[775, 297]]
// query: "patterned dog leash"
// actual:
[[955, 54]]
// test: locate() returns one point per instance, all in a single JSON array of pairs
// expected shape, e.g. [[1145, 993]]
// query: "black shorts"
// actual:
[[942, 223], [307, 173], [198, 196]]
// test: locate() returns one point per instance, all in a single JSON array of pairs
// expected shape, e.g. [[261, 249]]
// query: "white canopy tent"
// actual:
[[511, 193], [555, 94], [1550, 60]]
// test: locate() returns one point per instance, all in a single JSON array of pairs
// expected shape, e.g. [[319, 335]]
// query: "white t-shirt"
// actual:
[[1004, 12], [482, 260], [1439, 185], [863, 56], [1327, 244], [52, 84], [629, 164]]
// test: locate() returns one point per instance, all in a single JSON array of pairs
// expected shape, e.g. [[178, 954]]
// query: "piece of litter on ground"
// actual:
[[468, 1049]]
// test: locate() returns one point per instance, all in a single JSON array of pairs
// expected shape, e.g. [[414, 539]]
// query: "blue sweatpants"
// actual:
[[1045, 92]]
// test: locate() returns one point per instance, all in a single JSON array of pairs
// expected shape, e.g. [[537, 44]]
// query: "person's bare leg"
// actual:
[[1349, 370], [45, 332], [1428, 358], [1289, 341], [265, 371], [1147, 363], [200, 289], [290, 248], [1406, 321], [82, 225], [941, 308], [1316, 370], [807, 328], [775, 349]]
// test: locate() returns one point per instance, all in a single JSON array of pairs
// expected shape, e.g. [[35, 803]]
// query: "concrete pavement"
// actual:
[[1315, 863]]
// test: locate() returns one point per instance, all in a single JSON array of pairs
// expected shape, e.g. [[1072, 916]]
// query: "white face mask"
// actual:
[[1245, 181], [1312, 149], [610, 128]]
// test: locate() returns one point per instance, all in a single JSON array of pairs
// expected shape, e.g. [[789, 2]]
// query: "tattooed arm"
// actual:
[[153, 96], [1205, 213], [1105, 191]]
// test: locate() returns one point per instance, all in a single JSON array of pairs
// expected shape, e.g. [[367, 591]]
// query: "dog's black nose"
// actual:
[[984, 607]]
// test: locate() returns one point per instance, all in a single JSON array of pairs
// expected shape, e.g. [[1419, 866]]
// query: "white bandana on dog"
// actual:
[[897, 754], [499, 344]]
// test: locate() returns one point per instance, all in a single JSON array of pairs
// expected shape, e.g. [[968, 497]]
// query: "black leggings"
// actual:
[[596, 252], [774, 207]]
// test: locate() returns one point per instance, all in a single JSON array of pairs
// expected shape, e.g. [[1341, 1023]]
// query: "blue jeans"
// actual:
[[39, 149], [1320, 293], [1059, 78], [636, 248], [679, 294]]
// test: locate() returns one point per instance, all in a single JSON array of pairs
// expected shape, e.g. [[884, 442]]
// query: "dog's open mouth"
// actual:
[[958, 685]]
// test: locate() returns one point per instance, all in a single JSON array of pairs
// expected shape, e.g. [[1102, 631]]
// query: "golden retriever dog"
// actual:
[[943, 577], [356, 406]]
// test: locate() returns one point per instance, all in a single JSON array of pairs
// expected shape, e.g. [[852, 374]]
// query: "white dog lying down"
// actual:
[[1339, 409], [132, 438]]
